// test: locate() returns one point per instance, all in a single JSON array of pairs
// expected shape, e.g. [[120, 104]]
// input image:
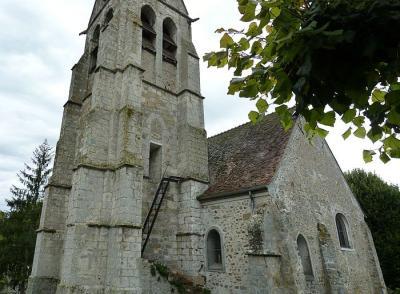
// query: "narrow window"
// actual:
[[155, 162], [148, 18], [214, 251], [109, 16], [304, 255], [169, 43], [95, 49], [341, 225]]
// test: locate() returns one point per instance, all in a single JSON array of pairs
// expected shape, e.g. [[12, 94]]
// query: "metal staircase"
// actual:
[[155, 208]]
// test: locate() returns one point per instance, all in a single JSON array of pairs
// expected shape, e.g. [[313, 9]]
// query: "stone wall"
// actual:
[[231, 218], [309, 190], [90, 237]]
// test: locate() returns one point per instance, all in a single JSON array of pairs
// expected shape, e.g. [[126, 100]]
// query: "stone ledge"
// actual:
[[183, 234], [60, 186], [263, 254], [71, 102], [46, 230], [120, 70], [125, 226], [106, 168]]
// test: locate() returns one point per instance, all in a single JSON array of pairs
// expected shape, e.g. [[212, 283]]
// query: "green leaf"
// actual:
[[262, 105], [244, 44], [375, 133], [391, 142], [368, 155], [347, 134], [253, 30], [378, 95], [393, 97], [285, 116], [275, 11], [254, 116], [226, 41], [395, 86], [384, 157], [328, 119], [394, 117], [321, 132], [256, 48], [359, 121], [249, 12], [360, 132], [349, 115]]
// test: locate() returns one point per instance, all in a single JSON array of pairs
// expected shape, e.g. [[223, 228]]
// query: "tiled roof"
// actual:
[[245, 157]]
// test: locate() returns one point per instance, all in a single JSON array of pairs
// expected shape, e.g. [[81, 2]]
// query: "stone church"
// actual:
[[140, 200]]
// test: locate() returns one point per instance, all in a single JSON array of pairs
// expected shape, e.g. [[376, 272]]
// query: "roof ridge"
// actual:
[[226, 131]]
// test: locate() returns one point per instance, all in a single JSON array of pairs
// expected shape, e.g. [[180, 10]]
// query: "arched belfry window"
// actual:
[[109, 16], [304, 255], [169, 41], [342, 228], [148, 18], [214, 251], [94, 49]]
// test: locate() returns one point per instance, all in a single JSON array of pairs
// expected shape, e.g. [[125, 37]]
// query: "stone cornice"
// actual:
[[172, 92]]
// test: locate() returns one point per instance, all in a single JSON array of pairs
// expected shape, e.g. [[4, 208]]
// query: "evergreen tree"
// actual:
[[18, 226], [381, 204], [33, 178]]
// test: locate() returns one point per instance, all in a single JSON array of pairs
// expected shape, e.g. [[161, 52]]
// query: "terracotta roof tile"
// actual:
[[245, 157]]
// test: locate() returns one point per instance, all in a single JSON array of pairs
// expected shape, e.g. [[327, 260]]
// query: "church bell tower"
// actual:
[[134, 117]]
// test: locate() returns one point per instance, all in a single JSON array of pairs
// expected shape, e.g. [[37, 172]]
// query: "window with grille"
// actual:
[[149, 35], [169, 43]]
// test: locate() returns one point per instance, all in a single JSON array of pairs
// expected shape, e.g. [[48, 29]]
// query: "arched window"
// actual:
[[304, 254], [109, 16], [341, 225], [94, 49], [148, 18], [214, 251], [169, 42]]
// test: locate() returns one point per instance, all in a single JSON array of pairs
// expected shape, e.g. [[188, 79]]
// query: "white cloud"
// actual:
[[40, 43]]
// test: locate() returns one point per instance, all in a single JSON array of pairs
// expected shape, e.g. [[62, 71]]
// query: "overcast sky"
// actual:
[[39, 44]]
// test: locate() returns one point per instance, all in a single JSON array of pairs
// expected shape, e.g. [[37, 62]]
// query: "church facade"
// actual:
[[140, 201]]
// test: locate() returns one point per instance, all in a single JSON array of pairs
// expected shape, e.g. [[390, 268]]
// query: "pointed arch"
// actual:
[[169, 40], [342, 230], [148, 18], [304, 254]]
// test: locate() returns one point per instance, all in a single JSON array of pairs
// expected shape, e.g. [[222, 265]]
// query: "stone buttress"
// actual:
[[134, 114]]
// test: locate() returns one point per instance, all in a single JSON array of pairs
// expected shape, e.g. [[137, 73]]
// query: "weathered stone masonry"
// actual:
[[135, 114]]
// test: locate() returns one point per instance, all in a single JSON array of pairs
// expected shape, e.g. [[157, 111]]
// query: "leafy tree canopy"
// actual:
[[381, 204], [18, 226], [336, 59]]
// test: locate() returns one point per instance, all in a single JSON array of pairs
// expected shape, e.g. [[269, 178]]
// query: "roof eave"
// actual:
[[224, 195]]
